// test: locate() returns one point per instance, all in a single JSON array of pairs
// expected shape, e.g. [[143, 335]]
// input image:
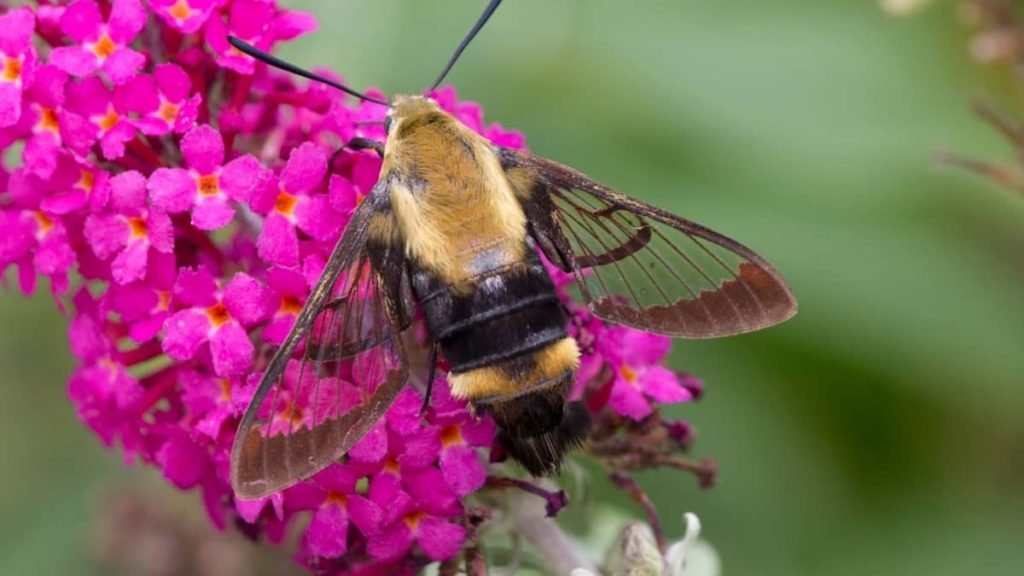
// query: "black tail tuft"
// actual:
[[542, 451]]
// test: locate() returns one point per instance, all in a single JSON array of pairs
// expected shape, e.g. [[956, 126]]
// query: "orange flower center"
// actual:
[[290, 305], [138, 227], [44, 222], [451, 435], [391, 465], [104, 47], [218, 314], [48, 120], [86, 180], [180, 11], [413, 520], [225, 388], [168, 112], [292, 413], [209, 185], [285, 203], [628, 373], [163, 300], [109, 120], [12, 69], [336, 498]]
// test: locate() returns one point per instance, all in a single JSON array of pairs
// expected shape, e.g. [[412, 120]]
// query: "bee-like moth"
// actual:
[[456, 226]]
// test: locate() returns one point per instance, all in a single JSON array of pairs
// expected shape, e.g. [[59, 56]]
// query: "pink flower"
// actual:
[[17, 61], [407, 523], [215, 316], [130, 232], [106, 111], [144, 305], [105, 395], [291, 290], [472, 115], [258, 23], [208, 187], [44, 122], [337, 504], [293, 205], [184, 461], [162, 101], [36, 244], [639, 379], [186, 16], [99, 44], [461, 435]]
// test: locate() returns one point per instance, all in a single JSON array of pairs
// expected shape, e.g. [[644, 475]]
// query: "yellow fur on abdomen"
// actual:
[[549, 365]]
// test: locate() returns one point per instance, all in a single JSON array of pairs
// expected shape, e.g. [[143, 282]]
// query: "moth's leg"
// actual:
[[430, 377]]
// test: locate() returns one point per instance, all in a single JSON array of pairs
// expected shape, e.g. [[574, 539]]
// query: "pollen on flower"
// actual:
[[180, 11], [168, 111], [290, 305], [451, 435], [12, 68], [335, 498], [47, 121], [285, 204], [44, 222], [391, 465], [209, 185], [225, 388], [108, 120], [218, 315], [413, 520], [628, 373], [86, 180], [138, 227], [103, 47], [292, 414]]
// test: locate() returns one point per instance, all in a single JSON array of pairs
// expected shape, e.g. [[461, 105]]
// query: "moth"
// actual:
[[456, 227]]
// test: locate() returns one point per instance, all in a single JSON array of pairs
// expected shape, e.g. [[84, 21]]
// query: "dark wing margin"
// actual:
[[641, 266], [340, 367]]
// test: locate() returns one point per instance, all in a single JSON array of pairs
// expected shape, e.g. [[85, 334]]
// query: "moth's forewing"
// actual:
[[641, 266], [335, 375]]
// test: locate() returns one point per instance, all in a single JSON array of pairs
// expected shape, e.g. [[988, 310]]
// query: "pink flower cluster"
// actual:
[[183, 199]]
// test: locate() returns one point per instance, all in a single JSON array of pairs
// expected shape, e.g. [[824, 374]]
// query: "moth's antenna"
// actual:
[[465, 41], [289, 67]]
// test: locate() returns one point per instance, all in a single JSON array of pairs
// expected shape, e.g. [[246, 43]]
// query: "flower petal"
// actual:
[[440, 539], [184, 333], [172, 189], [212, 214], [462, 469], [231, 349], [203, 149], [327, 534], [628, 401]]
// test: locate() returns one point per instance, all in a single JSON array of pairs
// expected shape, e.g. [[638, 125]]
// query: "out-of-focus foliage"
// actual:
[[878, 432]]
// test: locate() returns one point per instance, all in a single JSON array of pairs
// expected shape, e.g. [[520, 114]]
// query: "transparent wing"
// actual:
[[335, 375], [644, 267]]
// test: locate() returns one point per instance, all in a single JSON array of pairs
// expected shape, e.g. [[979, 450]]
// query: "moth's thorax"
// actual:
[[454, 206]]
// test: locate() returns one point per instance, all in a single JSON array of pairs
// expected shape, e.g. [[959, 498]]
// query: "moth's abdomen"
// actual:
[[509, 353]]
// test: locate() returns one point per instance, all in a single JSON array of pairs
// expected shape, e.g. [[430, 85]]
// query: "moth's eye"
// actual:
[[387, 124]]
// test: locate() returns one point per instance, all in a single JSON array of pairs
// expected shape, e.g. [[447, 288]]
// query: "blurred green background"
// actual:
[[881, 431]]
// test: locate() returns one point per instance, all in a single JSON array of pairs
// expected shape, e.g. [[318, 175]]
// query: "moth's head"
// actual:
[[403, 108], [407, 110]]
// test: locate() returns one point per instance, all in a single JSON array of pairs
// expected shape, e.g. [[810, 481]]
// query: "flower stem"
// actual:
[[529, 520]]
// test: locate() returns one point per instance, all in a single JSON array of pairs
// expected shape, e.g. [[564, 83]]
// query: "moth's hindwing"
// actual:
[[641, 266]]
